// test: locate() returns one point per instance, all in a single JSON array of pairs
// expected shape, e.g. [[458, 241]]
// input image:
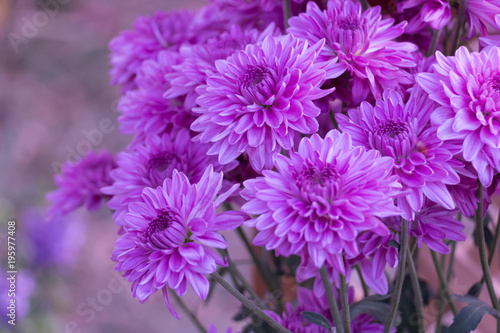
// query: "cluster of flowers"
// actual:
[[321, 132]]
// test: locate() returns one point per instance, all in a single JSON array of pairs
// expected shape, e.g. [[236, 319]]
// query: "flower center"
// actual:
[[349, 23], [221, 49], [348, 32], [314, 177], [494, 83], [254, 76], [392, 129], [393, 138], [160, 166], [163, 220]]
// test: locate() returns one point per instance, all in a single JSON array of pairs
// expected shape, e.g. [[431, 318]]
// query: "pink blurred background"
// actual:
[[55, 98]]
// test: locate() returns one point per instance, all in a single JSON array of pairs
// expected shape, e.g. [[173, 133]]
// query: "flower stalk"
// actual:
[[344, 301], [331, 300], [400, 278], [482, 251], [417, 293], [249, 305]]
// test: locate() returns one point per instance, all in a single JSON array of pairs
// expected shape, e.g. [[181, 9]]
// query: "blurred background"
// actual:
[[56, 104], [54, 93]]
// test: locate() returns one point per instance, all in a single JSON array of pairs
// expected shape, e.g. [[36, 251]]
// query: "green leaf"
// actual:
[[394, 244], [475, 290], [469, 317], [316, 319], [377, 310]]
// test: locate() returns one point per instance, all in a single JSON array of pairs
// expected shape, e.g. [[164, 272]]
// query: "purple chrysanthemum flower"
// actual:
[[373, 256], [361, 41], [151, 34], [423, 164], [467, 87], [199, 60], [251, 14], [377, 253], [259, 98], [293, 320], [321, 198], [144, 110], [80, 183], [151, 163], [51, 243], [170, 235], [492, 40], [432, 225], [481, 14], [436, 13]]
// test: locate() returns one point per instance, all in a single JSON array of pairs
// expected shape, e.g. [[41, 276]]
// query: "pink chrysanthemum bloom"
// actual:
[[293, 320], [432, 225], [492, 40], [144, 110], [481, 14], [436, 13], [423, 164], [251, 13], [362, 43], [170, 236], [467, 87], [151, 34], [374, 254], [199, 60], [321, 198], [377, 253], [259, 98], [151, 163], [79, 184]]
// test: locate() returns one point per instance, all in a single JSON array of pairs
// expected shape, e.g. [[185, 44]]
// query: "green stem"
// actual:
[[413, 245], [237, 274], [276, 291], [444, 284], [460, 22], [495, 240], [419, 303], [363, 283], [190, 313], [331, 300], [453, 246], [435, 38], [482, 251], [364, 4], [332, 119], [286, 13], [400, 278], [249, 305], [263, 273], [493, 245], [344, 302]]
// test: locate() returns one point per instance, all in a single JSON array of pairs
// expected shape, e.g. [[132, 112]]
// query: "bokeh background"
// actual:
[[54, 96], [56, 104]]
